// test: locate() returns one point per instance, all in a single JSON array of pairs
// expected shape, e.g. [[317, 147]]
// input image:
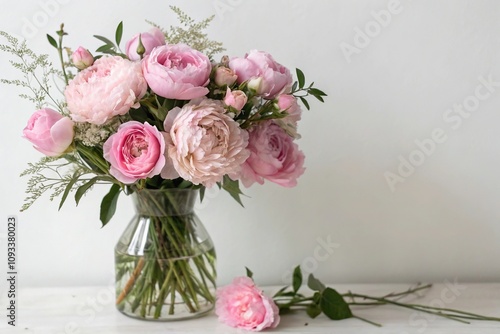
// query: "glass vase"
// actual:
[[165, 259]]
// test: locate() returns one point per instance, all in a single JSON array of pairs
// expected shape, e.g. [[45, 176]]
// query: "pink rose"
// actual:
[[82, 58], [288, 103], [274, 156], [106, 89], [236, 99], [50, 132], [275, 77], [150, 40], [224, 76], [243, 305], [177, 72], [203, 143], [135, 152]]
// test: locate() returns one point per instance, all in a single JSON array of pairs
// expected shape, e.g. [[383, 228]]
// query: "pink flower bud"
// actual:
[[224, 76], [236, 99], [286, 101], [50, 132], [82, 58]]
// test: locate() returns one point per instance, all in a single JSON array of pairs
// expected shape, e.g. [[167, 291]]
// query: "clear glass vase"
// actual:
[[165, 259]]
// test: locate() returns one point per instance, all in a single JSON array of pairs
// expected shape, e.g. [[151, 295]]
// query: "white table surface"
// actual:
[[91, 310]]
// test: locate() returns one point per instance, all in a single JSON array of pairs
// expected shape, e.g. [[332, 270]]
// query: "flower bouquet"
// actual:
[[160, 120]]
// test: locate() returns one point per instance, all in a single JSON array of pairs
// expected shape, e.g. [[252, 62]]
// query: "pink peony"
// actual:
[[236, 99], [177, 72], [243, 305], [274, 156], [203, 143], [108, 88], [275, 77], [82, 58], [50, 132], [135, 152], [149, 40]]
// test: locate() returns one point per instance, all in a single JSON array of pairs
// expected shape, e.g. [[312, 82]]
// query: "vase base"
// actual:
[[171, 317]]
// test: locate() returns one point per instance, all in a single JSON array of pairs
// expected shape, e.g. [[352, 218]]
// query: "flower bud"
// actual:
[[286, 101], [142, 44], [224, 76], [50, 132], [141, 50], [255, 85], [236, 99], [82, 58]]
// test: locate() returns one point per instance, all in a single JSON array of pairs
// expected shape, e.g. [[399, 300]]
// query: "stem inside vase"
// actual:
[[165, 259]]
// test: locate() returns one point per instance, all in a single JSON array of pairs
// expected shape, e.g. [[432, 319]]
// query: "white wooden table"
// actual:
[[91, 310]]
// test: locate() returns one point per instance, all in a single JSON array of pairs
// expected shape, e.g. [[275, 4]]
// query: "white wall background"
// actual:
[[443, 222]]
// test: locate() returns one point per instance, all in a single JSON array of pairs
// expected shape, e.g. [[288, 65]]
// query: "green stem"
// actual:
[[425, 309], [366, 320], [60, 52]]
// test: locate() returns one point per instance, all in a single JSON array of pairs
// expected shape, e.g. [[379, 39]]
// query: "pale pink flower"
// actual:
[[224, 76], [135, 152], [50, 132], [82, 58], [236, 99], [108, 88], [288, 103], [203, 143], [243, 305], [274, 156], [276, 78], [149, 40], [177, 72]]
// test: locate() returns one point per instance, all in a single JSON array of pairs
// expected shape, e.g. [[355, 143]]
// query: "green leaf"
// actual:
[[280, 291], [119, 33], [317, 297], [105, 48], [202, 193], [304, 101], [184, 184], [297, 279], [69, 186], [249, 273], [313, 310], [315, 284], [334, 306], [108, 204], [301, 78], [294, 87], [104, 39], [316, 92], [233, 188], [319, 98], [139, 114], [52, 41], [285, 310], [84, 188]]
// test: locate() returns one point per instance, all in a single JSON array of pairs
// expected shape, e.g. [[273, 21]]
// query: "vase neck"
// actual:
[[164, 202]]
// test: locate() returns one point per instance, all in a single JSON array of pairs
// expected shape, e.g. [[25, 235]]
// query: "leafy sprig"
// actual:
[[109, 47], [337, 306], [36, 71], [300, 90]]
